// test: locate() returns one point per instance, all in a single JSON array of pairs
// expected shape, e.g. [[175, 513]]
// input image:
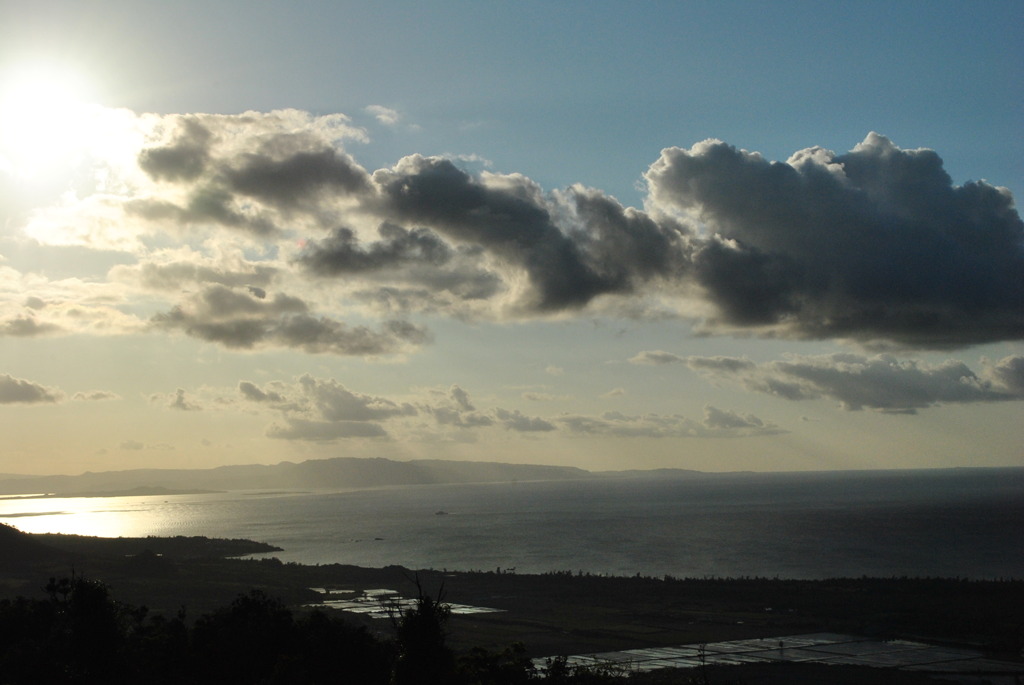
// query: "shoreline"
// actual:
[[558, 612]]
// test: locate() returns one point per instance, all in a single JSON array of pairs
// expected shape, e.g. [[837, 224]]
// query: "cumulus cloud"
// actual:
[[242, 319], [880, 382], [32, 305], [19, 391], [384, 115], [254, 393], [180, 402], [455, 408], [341, 252], [95, 396], [323, 410], [290, 178], [1006, 374], [334, 402], [875, 244], [563, 246], [656, 357], [726, 419], [210, 169], [184, 158], [515, 420], [461, 398], [716, 423], [405, 270], [27, 327], [173, 271]]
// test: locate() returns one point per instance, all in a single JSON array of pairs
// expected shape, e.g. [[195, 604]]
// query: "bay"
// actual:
[[964, 523]]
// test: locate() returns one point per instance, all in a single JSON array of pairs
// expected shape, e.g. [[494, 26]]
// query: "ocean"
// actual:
[[966, 523]]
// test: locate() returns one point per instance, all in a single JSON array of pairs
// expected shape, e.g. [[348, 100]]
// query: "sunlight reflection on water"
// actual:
[[136, 516], [792, 526]]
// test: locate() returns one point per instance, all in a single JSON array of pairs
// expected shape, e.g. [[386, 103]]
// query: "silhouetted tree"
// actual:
[[76, 636], [424, 657], [244, 641], [510, 666]]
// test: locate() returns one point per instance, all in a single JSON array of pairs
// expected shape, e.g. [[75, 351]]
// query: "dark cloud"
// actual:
[[438, 273], [881, 382], [239, 319], [206, 204], [625, 246], [26, 327], [461, 398], [284, 161], [450, 416], [341, 253], [510, 219], [184, 159], [334, 402], [16, 390], [251, 391], [727, 419], [876, 245], [515, 420], [230, 317], [322, 335], [292, 180], [873, 244], [177, 275]]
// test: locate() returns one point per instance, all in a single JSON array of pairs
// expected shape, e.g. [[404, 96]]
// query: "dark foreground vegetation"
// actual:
[[80, 634], [227, 620]]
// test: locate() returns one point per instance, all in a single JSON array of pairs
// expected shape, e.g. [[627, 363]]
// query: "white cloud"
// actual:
[[384, 115]]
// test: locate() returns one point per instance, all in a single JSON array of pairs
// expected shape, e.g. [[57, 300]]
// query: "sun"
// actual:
[[46, 116]]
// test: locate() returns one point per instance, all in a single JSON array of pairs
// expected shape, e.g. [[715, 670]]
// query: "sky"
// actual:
[[705, 235]]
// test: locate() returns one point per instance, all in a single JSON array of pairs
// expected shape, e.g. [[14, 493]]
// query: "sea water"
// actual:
[[965, 523]]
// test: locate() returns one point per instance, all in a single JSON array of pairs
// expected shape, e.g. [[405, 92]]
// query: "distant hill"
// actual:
[[342, 472], [20, 549]]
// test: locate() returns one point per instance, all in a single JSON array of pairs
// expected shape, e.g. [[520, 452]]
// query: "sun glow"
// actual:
[[46, 120]]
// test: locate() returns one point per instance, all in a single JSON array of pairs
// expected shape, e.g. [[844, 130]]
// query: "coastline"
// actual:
[[560, 612]]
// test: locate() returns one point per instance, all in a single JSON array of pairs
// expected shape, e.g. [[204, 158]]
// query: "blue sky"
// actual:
[[159, 253]]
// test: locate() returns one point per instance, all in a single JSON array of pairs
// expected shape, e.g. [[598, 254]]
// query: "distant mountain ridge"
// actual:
[[340, 472]]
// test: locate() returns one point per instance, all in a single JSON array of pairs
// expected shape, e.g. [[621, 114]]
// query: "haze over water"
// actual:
[[958, 523]]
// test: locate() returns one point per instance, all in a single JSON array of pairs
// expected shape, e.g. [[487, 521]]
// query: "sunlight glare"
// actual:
[[45, 119]]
